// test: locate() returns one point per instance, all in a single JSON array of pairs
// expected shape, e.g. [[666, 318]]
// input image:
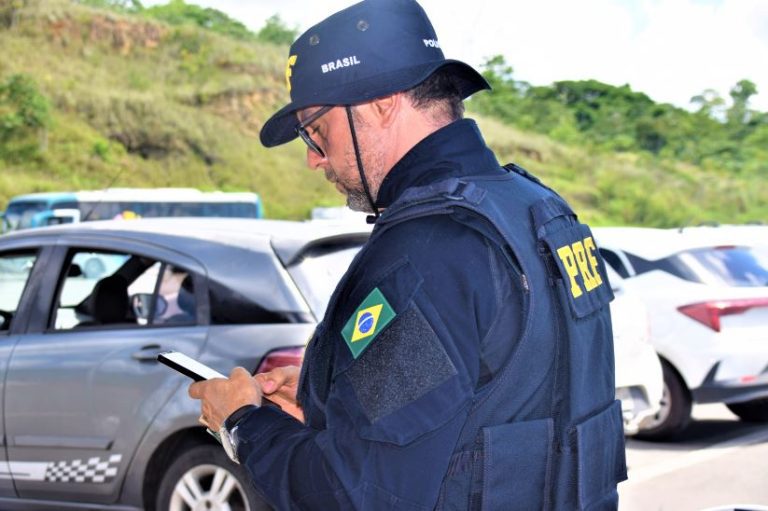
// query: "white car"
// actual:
[[706, 290], [639, 380]]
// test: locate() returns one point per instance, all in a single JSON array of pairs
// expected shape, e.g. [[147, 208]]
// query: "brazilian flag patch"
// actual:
[[367, 321]]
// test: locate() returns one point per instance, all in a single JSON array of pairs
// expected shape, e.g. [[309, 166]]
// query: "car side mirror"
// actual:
[[141, 304]]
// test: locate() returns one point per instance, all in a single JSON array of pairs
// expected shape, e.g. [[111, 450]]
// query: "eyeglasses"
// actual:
[[301, 130]]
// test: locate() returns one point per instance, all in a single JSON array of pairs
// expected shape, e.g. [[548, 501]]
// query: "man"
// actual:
[[465, 360]]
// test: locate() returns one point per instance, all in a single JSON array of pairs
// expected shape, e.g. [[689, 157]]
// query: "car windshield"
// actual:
[[319, 271], [729, 265], [19, 214]]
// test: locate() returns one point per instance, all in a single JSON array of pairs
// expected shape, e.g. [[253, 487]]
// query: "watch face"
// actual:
[[229, 442]]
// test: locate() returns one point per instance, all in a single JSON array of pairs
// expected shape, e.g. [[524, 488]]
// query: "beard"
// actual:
[[358, 201], [373, 167]]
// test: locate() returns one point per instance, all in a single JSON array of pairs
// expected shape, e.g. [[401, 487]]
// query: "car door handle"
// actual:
[[148, 353]]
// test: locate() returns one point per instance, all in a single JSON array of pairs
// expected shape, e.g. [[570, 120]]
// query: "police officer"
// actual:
[[465, 360]]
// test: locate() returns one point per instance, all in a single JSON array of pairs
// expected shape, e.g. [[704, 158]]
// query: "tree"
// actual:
[[503, 100], [24, 117], [117, 5], [9, 12], [275, 31], [739, 113], [177, 12], [709, 103]]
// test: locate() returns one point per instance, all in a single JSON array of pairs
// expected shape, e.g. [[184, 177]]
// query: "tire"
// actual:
[[191, 477], [675, 413], [751, 411]]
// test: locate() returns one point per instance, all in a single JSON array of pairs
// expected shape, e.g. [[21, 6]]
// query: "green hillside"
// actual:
[[121, 99]]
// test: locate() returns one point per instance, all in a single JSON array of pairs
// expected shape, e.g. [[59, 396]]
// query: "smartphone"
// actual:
[[188, 366], [195, 370]]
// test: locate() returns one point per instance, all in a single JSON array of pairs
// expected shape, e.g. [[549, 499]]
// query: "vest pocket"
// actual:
[[601, 457], [515, 465]]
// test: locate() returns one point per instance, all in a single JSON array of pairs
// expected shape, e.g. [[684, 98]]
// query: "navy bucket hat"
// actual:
[[369, 50]]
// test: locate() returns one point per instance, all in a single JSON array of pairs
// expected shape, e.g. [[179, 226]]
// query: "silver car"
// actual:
[[89, 418]]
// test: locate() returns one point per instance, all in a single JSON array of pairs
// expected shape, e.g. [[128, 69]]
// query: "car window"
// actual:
[[672, 265], [106, 289], [728, 265], [319, 271], [176, 303], [14, 274], [614, 261]]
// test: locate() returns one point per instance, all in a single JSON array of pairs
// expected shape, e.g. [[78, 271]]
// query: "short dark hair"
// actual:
[[440, 94]]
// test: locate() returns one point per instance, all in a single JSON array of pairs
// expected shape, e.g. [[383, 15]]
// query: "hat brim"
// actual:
[[281, 127]]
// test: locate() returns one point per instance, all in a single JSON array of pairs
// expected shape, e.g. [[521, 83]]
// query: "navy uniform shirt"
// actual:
[[383, 412]]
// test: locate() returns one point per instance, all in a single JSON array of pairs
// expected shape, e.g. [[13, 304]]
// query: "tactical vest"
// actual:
[[546, 432]]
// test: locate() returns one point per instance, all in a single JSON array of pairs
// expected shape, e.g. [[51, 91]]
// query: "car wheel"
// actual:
[[675, 412], [205, 478], [751, 411]]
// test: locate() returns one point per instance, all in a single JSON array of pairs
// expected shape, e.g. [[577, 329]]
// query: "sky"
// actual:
[[670, 50]]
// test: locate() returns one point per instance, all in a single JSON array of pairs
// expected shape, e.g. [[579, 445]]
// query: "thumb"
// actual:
[[268, 386], [195, 390]]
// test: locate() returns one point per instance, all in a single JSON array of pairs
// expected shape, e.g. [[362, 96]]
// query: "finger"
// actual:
[[239, 373], [276, 378], [268, 386], [196, 390]]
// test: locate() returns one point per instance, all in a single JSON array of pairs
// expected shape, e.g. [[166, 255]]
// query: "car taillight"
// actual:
[[709, 313], [280, 358]]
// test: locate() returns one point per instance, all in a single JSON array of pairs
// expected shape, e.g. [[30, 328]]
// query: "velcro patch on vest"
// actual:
[[407, 361], [368, 320]]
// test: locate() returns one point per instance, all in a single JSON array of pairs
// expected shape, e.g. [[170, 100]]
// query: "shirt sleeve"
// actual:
[[394, 413]]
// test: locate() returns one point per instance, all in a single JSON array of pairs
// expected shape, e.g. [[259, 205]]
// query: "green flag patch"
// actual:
[[367, 321]]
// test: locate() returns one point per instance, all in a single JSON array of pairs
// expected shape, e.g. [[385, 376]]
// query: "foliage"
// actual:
[[24, 117], [275, 31], [715, 135], [177, 12], [117, 5]]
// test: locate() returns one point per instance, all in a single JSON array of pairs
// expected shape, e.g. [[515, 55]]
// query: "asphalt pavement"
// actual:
[[718, 463]]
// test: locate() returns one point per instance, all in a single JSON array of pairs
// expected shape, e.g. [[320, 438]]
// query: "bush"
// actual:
[[24, 117]]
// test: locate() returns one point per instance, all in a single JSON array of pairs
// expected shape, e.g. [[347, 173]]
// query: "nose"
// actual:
[[315, 161]]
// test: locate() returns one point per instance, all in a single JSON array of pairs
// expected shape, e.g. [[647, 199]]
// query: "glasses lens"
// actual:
[[302, 131]]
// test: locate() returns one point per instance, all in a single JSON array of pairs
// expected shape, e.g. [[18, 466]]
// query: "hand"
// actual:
[[279, 386], [220, 397]]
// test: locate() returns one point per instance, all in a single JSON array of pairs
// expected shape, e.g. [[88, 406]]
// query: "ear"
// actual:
[[385, 109]]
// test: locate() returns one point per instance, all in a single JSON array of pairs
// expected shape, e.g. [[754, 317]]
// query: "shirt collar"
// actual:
[[455, 150]]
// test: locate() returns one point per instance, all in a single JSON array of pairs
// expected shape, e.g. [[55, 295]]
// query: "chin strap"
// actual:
[[371, 219]]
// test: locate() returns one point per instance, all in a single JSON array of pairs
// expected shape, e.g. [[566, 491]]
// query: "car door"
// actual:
[[15, 275], [83, 383]]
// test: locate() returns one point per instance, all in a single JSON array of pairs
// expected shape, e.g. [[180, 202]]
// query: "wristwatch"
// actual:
[[229, 442], [228, 431]]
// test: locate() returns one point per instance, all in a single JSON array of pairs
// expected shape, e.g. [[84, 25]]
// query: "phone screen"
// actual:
[[188, 366]]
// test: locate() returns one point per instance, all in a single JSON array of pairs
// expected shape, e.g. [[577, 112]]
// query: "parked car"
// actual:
[[639, 380], [89, 417], [706, 290]]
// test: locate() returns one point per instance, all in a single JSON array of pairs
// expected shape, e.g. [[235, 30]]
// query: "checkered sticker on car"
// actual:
[[92, 470]]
